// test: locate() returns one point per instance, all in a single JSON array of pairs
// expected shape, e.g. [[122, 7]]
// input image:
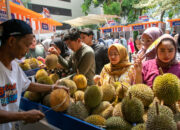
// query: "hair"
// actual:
[[137, 38], [72, 34], [168, 39], [87, 31]]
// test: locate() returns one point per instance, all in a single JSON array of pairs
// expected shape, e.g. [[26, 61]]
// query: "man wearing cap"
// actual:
[[101, 55], [15, 38], [82, 59]]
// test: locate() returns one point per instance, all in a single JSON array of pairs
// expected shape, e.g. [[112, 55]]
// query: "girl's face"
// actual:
[[146, 41], [114, 56], [166, 51], [138, 44]]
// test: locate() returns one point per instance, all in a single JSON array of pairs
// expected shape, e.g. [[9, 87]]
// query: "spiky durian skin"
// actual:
[[139, 127], [108, 92], [117, 123], [167, 88], [161, 122], [78, 110], [163, 110], [132, 110], [142, 92], [96, 120], [93, 96]]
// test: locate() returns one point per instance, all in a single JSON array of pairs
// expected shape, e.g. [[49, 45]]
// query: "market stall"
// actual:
[[175, 24], [36, 20]]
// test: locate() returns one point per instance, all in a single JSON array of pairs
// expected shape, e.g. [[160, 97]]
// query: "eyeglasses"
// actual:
[[113, 54]]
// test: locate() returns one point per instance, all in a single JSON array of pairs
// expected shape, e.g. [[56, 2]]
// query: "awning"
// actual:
[[174, 22], [36, 20], [142, 26], [90, 19], [119, 28]]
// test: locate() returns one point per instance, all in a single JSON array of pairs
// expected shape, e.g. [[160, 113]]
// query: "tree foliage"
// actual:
[[171, 7], [123, 8]]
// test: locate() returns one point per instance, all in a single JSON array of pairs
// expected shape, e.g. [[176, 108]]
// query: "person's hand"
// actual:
[[138, 64], [59, 66], [33, 116], [55, 86], [53, 50], [41, 59], [42, 66], [96, 79]]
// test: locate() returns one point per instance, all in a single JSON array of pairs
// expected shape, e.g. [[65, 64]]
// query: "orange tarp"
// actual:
[[171, 20]]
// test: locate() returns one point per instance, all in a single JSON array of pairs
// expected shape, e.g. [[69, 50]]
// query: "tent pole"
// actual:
[[8, 10]]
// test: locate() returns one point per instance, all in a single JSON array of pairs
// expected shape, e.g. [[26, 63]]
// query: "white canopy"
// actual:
[[90, 19]]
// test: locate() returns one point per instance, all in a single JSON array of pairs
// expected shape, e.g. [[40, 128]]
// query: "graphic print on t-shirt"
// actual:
[[8, 94]]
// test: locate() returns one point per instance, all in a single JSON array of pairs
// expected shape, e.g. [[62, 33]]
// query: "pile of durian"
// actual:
[[31, 63], [116, 106]]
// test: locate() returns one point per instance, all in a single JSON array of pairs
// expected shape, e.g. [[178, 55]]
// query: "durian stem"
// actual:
[[77, 71], [122, 90], [130, 95], [157, 108], [161, 71]]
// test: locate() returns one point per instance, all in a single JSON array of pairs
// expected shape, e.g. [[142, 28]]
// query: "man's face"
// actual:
[[21, 46], [73, 44], [33, 45], [86, 39]]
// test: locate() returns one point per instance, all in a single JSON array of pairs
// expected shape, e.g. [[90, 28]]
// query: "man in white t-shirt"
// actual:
[[15, 38]]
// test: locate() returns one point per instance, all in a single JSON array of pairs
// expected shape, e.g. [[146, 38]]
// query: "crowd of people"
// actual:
[[101, 62]]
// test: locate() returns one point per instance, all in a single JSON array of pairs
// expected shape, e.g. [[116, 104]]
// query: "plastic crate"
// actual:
[[58, 119], [31, 72]]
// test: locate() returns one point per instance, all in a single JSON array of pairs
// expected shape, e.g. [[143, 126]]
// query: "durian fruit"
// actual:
[[80, 80], [139, 127], [46, 100], [79, 95], [121, 90], [132, 109], [104, 109], [51, 61], [117, 123], [45, 80], [54, 77], [33, 62], [108, 92], [163, 110], [40, 73], [117, 110], [96, 120], [142, 92], [160, 121], [167, 88], [25, 66], [69, 84], [33, 96], [59, 100], [93, 96], [77, 110]]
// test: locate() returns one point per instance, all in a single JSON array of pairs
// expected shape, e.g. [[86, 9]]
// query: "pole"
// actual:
[[8, 10]]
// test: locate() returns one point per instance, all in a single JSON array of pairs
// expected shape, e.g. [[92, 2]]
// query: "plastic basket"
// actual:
[[58, 119], [31, 72]]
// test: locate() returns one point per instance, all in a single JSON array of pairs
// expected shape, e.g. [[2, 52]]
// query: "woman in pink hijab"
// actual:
[[148, 37], [166, 59]]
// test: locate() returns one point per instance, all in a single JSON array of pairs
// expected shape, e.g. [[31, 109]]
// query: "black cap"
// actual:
[[15, 27]]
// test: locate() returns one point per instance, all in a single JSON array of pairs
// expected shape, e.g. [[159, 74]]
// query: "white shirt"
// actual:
[[12, 83]]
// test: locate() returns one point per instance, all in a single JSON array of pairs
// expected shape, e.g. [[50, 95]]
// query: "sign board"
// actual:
[[144, 18], [176, 23], [138, 27], [45, 26], [107, 30], [3, 16], [119, 29]]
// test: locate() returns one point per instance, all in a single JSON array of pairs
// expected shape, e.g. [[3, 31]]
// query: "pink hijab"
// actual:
[[153, 32]]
